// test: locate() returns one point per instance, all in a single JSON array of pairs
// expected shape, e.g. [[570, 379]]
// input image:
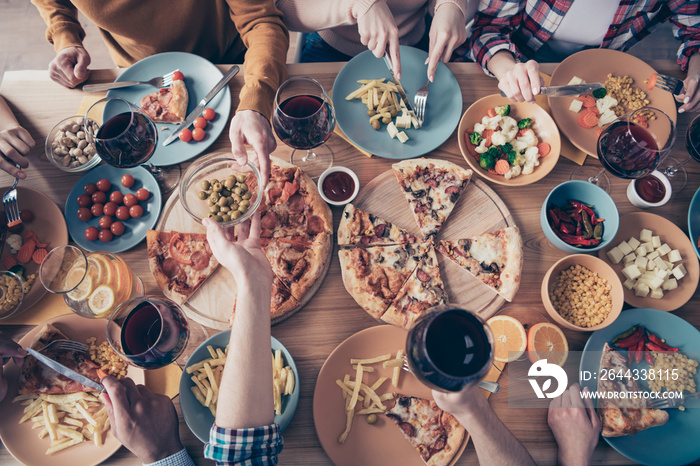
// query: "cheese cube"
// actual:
[[656, 294], [629, 258], [645, 235], [391, 129], [674, 256], [663, 273], [641, 290], [660, 263], [670, 284], [576, 105], [633, 242], [651, 265], [669, 265], [641, 262], [624, 248], [679, 271], [648, 246], [403, 122], [614, 254], [641, 251], [652, 255], [576, 80], [664, 249], [656, 241], [631, 271], [629, 283], [656, 282], [402, 137], [415, 123]]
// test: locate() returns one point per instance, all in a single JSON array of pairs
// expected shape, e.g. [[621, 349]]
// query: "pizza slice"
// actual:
[[360, 228], [36, 378], [432, 188], [180, 262], [169, 104], [375, 275], [436, 434], [423, 290], [623, 415], [494, 258]]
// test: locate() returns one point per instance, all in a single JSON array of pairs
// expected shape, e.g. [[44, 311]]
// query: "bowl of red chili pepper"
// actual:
[[579, 217]]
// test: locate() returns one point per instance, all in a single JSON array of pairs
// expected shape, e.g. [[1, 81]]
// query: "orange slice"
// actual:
[[109, 271], [95, 268], [509, 339], [547, 341]]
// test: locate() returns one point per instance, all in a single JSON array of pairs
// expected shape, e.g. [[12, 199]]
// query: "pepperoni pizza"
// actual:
[[167, 105]]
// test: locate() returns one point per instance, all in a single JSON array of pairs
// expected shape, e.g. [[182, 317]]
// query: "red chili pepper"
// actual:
[[577, 217], [639, 352], [654, 347], [570, 239], [566, 228], [579, 231], [555, 218], [632, 340], [582, 206], [656, 340], [648, 358]]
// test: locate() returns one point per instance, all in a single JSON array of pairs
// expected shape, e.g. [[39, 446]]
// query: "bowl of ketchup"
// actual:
[[338, 185], [653, 190]]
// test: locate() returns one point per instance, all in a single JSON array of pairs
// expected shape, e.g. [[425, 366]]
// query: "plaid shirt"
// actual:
[[523, 26], [247, 447]]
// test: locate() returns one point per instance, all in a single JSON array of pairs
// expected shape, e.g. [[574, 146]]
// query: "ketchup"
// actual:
[[338, 186], [650, 188]]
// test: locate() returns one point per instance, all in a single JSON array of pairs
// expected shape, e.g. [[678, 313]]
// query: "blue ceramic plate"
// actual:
[[199, 419], [200, 77], [442, 112], [135, 227], [676, 442], [694, 221]]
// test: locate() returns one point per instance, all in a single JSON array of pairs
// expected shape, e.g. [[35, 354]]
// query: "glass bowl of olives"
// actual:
[[216, 186]]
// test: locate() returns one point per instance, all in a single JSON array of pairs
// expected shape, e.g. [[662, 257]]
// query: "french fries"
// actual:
[[66, 419]]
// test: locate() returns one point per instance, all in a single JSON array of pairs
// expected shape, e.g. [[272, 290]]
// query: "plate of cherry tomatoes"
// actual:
[[110, 209]]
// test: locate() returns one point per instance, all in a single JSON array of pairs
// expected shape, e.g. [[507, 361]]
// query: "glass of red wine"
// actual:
[[154, 331], [632, 146], [673, 168], [127, 138], [449, 348], [304, 119]]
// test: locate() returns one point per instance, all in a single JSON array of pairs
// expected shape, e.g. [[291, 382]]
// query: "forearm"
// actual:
[[7, 118], [502, 62], [694, 65], [315, 15], [61, 18], [433, 5]]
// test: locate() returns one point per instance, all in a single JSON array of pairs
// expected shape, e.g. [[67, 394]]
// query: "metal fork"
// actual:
[[67, 345], [161, 81], [492, 387], [670, 403], [9, 201], [669, 83], [420, 100]]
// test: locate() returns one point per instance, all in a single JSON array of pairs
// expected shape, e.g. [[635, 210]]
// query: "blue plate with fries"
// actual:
[[200, 418]]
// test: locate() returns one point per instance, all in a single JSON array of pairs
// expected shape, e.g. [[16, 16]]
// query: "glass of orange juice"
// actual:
[[93, 284]]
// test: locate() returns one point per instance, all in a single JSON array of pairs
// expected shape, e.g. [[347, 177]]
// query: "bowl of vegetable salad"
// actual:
[[509, 143]]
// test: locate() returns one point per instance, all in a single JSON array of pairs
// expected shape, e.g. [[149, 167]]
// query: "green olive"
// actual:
[[229, 184], [217, 218], [225, 218], [224, 208], [230, 200], [235, 214], [245, 202], [211, 215], [214, 197], [234, 206], [241, 178], [210, 202], [225, 192], [247, 195], [242, 209], [386, 120], [371, 112], [213, 181], [393, 112], [214, 209], [376, 125], [236, 198], [223, 201], [231, 177], [237, 190], [217, 187], [244, 187], [371, 419], [203, 195], [205, 185]]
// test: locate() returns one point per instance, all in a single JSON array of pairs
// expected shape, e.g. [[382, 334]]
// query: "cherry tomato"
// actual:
[[26, 215], [136, 211], [123, 213], [200, 122], [185, 135], [90, 188], [127, 181], [105, 222], [105, 236], [110, 208], [117, 228], [178, 76], [117, 197], [198, 134], [143, 194], [84, 214], [130, 200], [99, 197], [84, 200], [209, 114], [104, 185], [97, 210], [91, 233]]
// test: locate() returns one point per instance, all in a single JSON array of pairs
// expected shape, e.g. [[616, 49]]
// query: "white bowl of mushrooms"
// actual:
[[67, 146]]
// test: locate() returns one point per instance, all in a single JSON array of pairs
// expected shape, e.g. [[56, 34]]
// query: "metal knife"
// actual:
[[63, 370], [568, 90], [399, 87], [233, 71]]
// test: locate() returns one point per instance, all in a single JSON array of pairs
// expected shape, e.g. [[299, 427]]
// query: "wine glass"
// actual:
[[304, 119], [631, 147], [673, 168], [127, 139]]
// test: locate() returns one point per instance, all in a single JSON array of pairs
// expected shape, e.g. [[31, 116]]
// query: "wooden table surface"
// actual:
[[332, 315]]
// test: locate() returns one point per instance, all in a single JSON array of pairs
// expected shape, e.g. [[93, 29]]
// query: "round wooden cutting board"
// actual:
[[478, 210]]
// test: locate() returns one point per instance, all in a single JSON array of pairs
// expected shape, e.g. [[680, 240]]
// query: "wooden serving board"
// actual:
[[212, 303], [479, 210]]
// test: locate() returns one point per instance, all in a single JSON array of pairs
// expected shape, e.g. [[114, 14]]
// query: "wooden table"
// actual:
[[332, 315]]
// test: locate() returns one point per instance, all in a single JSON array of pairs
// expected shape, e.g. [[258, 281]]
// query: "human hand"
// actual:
[[9, 348], [575, 426], [460, 404], [690, 95], [447, 32], [250, 127], [15, 143], [142, 421], [69, 67], [378, 32], [520, 82]]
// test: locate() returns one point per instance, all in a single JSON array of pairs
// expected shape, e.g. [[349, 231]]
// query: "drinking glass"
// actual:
[[127, 139], [153, 331], [631, 147], [673, 168], [449, 348], [304, 119]]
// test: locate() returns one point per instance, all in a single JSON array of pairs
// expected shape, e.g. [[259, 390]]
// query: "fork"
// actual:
[[63, 345], [492, 387], [420, 100], [161, 81], [669, 83], [669, 403], [9, 201]]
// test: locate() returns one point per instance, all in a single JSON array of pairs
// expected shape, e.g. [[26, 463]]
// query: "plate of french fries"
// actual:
[[200, 382], [349, 416], [71, 429], [370, 112]]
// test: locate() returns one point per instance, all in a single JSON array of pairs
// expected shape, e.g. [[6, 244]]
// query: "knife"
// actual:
[[568, 90], [399, 87], [202, 103], [63, 370]]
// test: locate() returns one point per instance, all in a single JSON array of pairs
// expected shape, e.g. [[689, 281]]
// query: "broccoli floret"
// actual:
[[512, 157], [503, 110], [494, 152], [524, 123], [600, 93], [475, 138], [505, 148], [487, 160]]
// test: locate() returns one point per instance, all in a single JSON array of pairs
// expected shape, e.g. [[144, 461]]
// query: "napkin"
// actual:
[[340, 133], [87, 102], [48, 307], [164, 381]]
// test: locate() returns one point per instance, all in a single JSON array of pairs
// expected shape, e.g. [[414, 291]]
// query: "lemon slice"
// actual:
[[109, 271], [95, 268], [73, 278], [82, 291], [101, 300]]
